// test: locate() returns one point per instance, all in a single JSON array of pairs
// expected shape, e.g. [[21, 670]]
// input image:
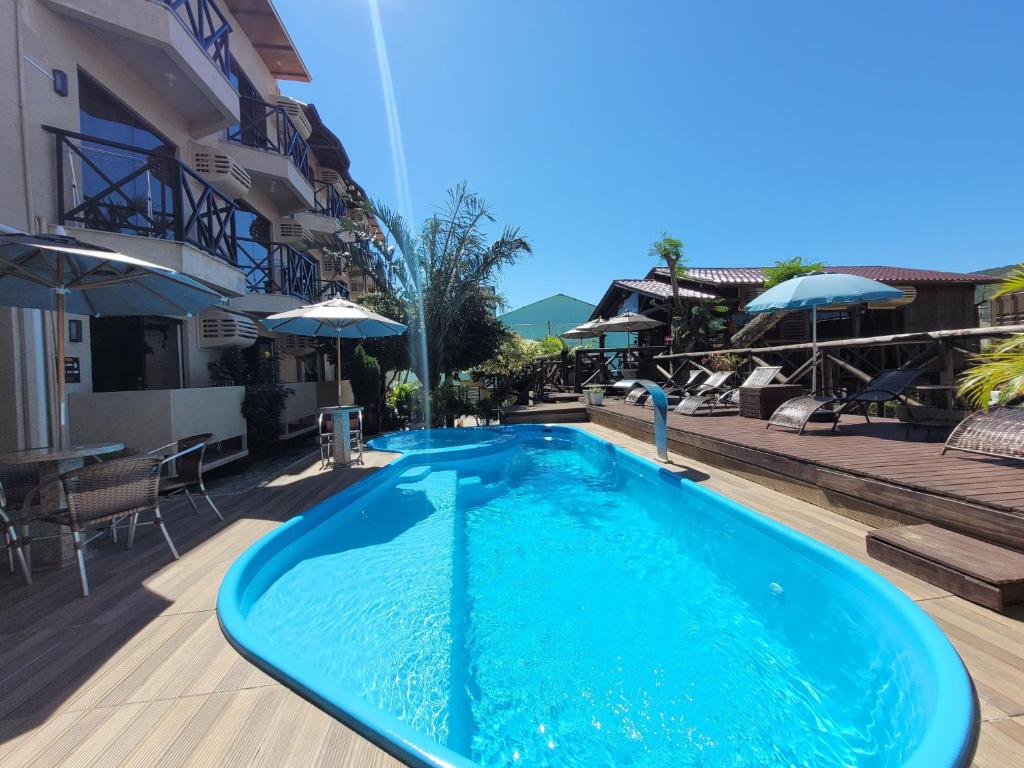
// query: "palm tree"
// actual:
[[671, 250], [443, 270], [1001, 368]]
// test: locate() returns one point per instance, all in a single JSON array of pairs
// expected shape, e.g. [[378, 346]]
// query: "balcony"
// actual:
[[120, 193], [328, 208], [268, 145], [277, 277], [178, 47]]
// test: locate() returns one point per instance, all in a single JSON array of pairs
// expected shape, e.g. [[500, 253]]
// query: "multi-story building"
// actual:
[[157, 128]]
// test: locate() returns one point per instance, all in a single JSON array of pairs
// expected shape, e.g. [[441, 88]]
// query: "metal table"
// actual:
[[51, 463], [342, 431]]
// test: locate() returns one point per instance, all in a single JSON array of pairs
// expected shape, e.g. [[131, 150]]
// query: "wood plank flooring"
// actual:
[[140, 675], [876, 463]]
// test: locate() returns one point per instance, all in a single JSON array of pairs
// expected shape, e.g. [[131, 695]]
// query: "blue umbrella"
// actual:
[[820, 289]]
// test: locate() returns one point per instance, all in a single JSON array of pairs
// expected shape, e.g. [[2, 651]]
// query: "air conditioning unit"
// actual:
[[909, 294], [225, 330], [296, 113], [291, 232], [292, 344], [332, 177], [221, 171]]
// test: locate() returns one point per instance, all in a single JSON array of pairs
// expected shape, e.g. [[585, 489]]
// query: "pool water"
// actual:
[[441, 440], [558, 603]]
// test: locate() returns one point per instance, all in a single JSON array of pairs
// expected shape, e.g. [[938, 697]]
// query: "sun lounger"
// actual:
[[714, 386], [709, 400], [886, 386], [996, 432]]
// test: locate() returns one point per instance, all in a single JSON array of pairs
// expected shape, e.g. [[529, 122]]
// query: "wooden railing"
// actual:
[[327, 201], [843, 362]]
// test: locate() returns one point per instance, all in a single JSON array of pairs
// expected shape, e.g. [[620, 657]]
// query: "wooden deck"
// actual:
[[140, 675], [868, 468]]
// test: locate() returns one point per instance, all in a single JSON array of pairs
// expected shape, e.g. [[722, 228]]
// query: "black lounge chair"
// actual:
[[714, 386], [996, 432], [640, 396], [886, 386], [759, 377]]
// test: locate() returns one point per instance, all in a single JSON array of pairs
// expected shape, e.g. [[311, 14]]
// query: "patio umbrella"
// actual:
[[66, 275], [337, 318], [821, 289], [628, 321], [587, 330]]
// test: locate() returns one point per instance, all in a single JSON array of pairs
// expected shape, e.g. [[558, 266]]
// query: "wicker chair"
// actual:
[[759, 377], [187, 455], [16, 483], [886, 386], [101, 495], [711, 388], [997, 432]]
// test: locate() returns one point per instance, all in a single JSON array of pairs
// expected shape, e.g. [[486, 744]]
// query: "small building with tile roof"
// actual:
[[932, 300]]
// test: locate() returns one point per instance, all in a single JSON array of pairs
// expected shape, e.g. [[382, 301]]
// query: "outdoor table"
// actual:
[[342, 431], [940, 395], [51, 463]]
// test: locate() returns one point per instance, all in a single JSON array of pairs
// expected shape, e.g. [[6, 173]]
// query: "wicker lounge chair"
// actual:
[[886, 386], [714, 386], [187, 455], [16, 483], [101, 495], [759, 377], [997, 432]]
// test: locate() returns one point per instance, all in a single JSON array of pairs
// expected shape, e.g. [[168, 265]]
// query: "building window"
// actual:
[[103, 115]]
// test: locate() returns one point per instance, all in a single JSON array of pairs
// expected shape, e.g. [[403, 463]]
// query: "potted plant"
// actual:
[[595, 395]]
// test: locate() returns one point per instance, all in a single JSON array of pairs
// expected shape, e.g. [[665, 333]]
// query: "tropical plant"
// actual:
[[449, 401], [551, 346], [365, 377], [672, 251], [441, 272], [787, 269], [998, 373], [264, 399], [779, 272]]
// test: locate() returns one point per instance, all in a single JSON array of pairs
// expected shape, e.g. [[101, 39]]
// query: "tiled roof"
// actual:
[[659, 289], [755, 275]]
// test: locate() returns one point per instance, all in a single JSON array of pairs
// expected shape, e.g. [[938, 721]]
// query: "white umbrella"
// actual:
[[586, 330], [63, 274], [629, 321], [337, 318]]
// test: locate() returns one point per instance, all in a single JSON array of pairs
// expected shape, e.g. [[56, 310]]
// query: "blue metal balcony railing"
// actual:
[[208, 26], [267, 127], [277, 268], [114, 187], [327, 201]]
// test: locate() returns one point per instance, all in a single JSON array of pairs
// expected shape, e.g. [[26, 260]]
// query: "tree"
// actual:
[[441, 274], [672, 251], [1001, 368], [780, 272]]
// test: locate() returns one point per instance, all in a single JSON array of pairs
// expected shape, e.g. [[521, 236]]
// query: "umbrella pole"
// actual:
[[58, 367], [814, 350], [337, 366]]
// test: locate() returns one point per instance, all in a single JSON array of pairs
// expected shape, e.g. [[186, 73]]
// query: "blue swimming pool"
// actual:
[[447, 441], [548, 599]]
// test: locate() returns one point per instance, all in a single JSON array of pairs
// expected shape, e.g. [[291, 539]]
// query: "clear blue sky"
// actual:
[[853, 133]]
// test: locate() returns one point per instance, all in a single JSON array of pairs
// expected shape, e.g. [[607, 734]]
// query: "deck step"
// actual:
[[975, 570], [545, 413]]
